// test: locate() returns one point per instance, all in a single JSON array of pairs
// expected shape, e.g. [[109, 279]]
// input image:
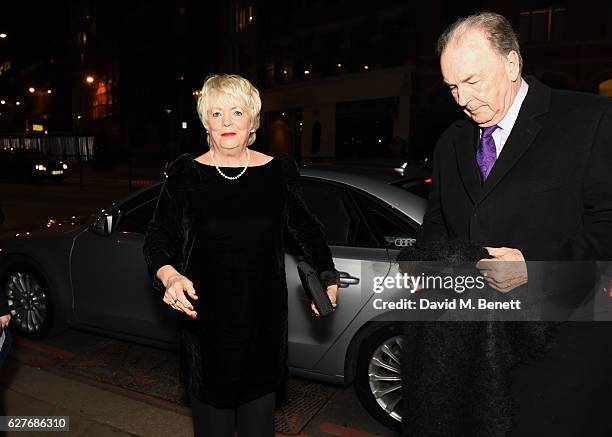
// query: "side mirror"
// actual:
[[104, 225]]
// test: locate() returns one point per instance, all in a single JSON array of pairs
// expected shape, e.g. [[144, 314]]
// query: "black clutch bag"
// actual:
[[313, 286]]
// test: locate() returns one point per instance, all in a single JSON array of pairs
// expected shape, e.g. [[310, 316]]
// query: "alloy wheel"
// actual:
[[27, 301], [385, 377]]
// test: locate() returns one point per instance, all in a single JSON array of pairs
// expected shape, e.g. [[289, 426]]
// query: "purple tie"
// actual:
[[486, 154]]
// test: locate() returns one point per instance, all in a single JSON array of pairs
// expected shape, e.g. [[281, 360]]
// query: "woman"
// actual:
[[215, 248]]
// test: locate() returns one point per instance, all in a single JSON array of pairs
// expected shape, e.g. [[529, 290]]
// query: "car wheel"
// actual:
[[30, 299], [378, 381]]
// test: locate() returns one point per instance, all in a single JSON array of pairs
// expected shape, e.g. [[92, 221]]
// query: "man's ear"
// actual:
[[513, 65]]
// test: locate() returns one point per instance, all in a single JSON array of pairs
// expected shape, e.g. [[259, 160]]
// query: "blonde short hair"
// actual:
[[238, 89]]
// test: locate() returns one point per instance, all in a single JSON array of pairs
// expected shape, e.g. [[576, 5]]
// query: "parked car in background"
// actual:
[[29, 165], [411, 176], [90, 273]]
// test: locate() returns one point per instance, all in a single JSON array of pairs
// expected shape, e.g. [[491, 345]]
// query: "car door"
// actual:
[[386, 227], [354, 248], [111, 284]]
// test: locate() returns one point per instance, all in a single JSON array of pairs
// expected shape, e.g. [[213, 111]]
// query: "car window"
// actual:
[[390, 230], [334, 209], [135, 214], [137, 219]]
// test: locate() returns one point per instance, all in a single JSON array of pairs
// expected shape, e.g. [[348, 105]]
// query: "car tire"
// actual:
[[33, 304], [379, 357]]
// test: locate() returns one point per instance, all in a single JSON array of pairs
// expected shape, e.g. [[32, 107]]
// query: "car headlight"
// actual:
[[65, 166], [40, 167]]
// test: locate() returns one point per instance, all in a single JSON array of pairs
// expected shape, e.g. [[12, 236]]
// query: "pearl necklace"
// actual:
[[231, 178]]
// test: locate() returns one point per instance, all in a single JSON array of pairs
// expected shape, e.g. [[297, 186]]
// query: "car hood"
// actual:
[[62, 225]]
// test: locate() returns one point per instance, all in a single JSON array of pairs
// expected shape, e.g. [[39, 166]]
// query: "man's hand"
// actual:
[[507, 269]]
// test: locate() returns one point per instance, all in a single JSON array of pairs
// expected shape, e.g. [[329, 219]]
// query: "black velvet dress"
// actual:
[[227, 236]]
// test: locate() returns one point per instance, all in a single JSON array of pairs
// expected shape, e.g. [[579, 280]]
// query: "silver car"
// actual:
[[92, 274]]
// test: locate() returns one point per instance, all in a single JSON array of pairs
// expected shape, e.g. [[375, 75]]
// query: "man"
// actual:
[[528, 176]]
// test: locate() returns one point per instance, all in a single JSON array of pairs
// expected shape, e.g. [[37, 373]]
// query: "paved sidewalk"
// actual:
[[93, 411]]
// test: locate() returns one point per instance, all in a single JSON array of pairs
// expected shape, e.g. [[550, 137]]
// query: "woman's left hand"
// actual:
[[332, 292]]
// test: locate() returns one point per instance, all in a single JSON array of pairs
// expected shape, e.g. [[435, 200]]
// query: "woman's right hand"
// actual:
[[4, 320], [176, 286]]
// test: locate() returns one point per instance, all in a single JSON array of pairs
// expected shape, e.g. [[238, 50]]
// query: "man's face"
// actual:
[[483, 82]]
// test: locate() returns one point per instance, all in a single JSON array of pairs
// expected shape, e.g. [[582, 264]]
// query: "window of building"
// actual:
[[102, 102], [542, 25], [82, 38], [605, 88], [243, 16], [287, 73], [270, 74], [240, 19], [365, 128]]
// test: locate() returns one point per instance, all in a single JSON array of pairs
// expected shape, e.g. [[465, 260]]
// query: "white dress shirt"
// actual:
[[501, 134]]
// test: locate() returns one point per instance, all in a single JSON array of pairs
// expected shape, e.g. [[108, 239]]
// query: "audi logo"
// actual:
[[404, 242]]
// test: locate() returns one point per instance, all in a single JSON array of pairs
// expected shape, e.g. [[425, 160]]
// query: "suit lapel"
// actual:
[[520, 139], [522, 136], [465, 149]]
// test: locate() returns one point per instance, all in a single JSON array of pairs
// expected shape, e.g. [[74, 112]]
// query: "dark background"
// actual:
[[339, 79]]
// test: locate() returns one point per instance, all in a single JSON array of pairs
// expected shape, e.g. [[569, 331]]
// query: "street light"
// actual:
[[48, 91], [31, 90], [3, 35], [89, 79], [17, 103], [2, 102]]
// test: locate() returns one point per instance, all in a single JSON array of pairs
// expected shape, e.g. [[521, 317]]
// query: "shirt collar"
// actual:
[[507, 123]]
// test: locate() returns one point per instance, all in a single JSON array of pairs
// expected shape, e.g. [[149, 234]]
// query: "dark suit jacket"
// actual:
[[550, 192], [550, 195]]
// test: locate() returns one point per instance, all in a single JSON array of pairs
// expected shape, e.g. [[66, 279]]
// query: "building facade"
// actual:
[[339, 79]]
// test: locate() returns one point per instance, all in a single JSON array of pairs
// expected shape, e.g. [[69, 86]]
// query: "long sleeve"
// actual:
[[306, 228], [4, 309], [434, 226], [595, 240], [164, 236]]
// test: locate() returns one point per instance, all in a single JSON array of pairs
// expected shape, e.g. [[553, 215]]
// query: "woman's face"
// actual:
[[229, 122]]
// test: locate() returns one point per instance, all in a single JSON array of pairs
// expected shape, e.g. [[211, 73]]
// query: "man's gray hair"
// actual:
[[496, 27]]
